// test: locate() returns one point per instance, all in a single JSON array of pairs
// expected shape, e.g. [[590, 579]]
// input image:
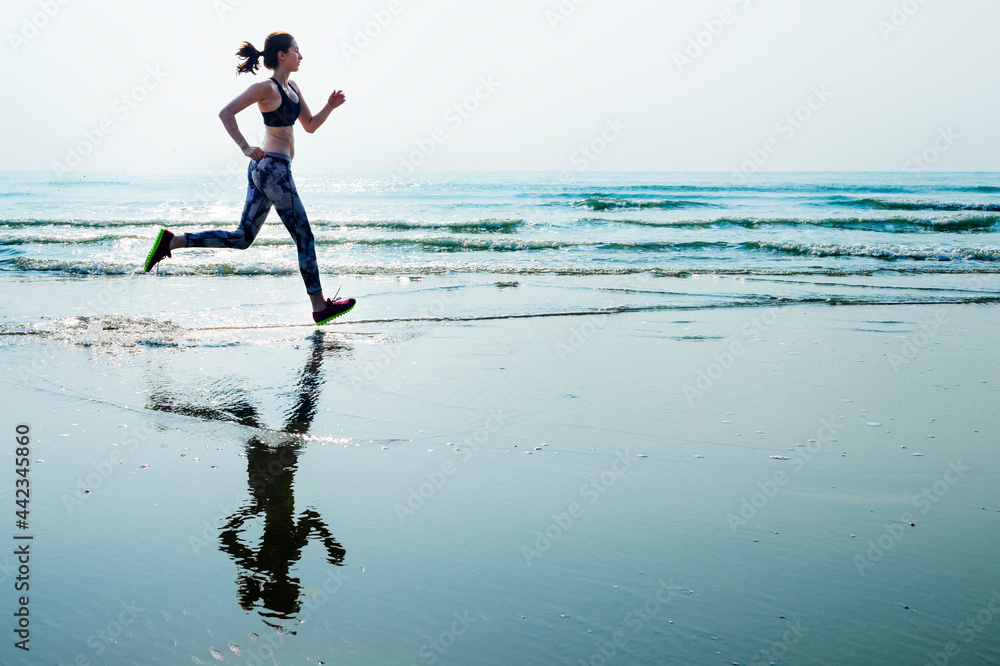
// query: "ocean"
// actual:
[[935, 230]]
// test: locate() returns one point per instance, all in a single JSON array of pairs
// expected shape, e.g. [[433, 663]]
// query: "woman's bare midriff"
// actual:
[[279, 140]]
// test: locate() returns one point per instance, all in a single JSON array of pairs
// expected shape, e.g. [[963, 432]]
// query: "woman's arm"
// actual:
[[311, 123], [254, 93]]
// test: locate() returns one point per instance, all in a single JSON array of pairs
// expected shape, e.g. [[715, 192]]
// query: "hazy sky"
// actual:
[[515, 84]]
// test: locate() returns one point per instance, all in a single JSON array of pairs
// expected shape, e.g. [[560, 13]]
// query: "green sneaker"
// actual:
[[161, 249]]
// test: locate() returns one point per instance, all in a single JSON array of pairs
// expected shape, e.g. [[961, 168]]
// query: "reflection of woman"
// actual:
[[265, 568], [265, 535], [269, 177]]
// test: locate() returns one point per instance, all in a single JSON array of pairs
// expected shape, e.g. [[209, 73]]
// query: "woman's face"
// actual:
[[291, 58]]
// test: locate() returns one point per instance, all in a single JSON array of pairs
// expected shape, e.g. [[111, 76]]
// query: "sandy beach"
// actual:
[[722, 485]]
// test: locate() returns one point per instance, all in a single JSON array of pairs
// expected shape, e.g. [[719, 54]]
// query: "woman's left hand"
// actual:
[[336, 99]]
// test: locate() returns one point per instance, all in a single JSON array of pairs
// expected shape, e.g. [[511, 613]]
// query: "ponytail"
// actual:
[[251, 59], [276, 42]]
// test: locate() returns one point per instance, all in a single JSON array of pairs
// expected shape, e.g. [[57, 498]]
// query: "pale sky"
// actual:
[[873, 83]]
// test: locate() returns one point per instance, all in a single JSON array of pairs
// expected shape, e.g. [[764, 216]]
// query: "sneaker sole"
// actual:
[[156, 244], [321, 322]]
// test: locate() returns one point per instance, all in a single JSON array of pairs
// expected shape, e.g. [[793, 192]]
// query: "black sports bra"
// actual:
[[284, 115]]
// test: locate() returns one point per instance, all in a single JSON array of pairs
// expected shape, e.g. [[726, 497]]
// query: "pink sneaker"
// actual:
[[333, 310]]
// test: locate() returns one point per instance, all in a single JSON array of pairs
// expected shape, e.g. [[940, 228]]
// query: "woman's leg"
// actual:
[[277, 184], [255, 211]]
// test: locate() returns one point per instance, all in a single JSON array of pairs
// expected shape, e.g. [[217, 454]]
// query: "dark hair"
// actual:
[[275, 42]]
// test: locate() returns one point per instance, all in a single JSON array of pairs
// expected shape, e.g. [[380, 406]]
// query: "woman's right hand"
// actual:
[[254, 153]]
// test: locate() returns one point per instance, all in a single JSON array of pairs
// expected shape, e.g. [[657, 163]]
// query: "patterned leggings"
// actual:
[[269, 183]]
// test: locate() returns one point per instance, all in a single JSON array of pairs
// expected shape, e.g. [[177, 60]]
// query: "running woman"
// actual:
[[269, 176]]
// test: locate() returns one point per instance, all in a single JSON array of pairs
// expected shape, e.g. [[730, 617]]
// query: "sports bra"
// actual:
[[284, 115]]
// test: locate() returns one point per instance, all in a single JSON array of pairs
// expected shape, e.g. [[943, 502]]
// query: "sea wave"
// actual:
[[878, 251], [600, 203], [487, 225], [92, 267], [439, 244], [115, 267], [899, 224], [490, 225], [493, 233], [37, 239], [627, 252], [889, 204]]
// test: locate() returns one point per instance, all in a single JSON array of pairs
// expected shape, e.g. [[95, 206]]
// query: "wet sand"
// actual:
[[418, 484]]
